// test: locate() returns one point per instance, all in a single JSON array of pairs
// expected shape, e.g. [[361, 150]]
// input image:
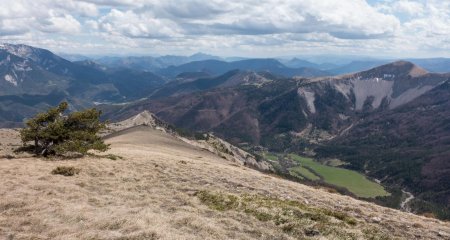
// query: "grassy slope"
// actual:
[[353, 181], [166, 189]]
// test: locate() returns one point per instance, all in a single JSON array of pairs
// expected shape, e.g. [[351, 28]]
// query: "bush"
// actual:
[[55, 133], [66, 171], [113, 157]]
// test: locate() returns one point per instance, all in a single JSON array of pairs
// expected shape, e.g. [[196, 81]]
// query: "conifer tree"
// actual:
[[54, 132]]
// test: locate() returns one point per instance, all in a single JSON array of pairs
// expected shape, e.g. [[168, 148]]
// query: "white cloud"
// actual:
[[344, 19], [23, 16], [59, 24], [115, 2], [232, 26], [352, 19], [130, 24], [80, 8], [412, 8]]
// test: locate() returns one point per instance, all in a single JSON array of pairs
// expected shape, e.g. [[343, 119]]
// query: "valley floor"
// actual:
[[153, 193]]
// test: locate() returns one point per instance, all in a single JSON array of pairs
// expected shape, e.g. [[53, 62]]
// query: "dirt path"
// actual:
[[409, 198]]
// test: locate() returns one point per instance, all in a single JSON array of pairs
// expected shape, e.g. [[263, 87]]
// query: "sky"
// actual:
[[248, 28]]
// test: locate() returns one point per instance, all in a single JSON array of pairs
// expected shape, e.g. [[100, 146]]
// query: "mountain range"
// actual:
[[388, 120], [216, 67], [331, 65], [147, 63], [32, 79]]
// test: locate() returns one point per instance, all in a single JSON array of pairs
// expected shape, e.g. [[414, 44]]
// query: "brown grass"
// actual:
[[151, 194]]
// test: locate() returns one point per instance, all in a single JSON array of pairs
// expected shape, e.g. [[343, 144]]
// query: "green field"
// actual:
[[301, 172], [353, 181], [271, 157]]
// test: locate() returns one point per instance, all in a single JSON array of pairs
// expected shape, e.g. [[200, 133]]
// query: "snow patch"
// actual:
[[11, 79], [21, 50], [5, 61], [343, 116], [386, 76], [22, 66]]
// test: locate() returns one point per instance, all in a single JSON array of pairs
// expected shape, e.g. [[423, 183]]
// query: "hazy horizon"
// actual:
[[318, 59]]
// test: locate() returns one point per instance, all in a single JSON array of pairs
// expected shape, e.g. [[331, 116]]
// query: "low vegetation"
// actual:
[[271, 157], [113, 156], [292, 217], [66, 171]]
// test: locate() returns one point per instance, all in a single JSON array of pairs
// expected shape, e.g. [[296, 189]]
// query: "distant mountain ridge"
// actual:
[[298, 63], [216, 67], [32, 79], [228, 79], [387, 86], [436, 65], [148, 63]]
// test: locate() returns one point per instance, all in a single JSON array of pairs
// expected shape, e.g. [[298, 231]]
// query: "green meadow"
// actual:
[[353, 181], [301, 172], [271, 156]]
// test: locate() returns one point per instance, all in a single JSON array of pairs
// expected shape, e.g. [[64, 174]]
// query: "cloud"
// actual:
[[343, 19], [115, 3], [411, 8], [24, 16], [79, 8], [59, 24], [10, 28], [191, 9], [233, 26], [130, 24]]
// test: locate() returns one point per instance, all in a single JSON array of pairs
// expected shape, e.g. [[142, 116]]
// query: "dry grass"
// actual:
[[152, 193], [9, 140]]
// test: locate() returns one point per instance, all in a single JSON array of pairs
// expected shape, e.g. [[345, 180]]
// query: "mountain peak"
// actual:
[[414, 70], [202, 56], [28, 52], [394, 70], [145, 118]]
